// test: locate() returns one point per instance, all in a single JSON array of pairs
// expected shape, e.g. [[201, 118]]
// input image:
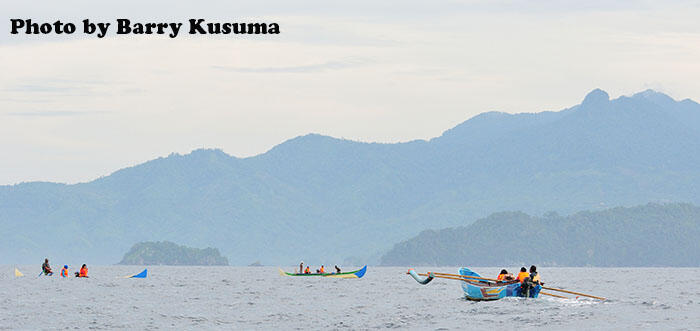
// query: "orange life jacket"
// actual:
[[505, 277], [83, 272], [64, 272], [321, 270], [522, 275], [307, 271]]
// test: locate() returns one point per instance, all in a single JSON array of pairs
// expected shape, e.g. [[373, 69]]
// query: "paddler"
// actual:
[[534, 276], [504, 276], [308, 270], [321, 270], [529, 282], [337, 270], [522, 275], [46, 268], [64, 271]]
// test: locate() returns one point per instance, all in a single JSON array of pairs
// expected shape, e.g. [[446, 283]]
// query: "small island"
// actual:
[[169, 253]]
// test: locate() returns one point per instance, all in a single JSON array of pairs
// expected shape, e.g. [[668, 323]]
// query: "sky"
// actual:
[[75, 108]]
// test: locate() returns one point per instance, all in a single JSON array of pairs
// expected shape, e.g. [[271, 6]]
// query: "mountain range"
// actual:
[[652, 235], [327, 200]]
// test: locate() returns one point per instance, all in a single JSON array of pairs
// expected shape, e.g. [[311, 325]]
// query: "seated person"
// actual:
[[522, 275], [504, 276], [46, 268], [83, 272]]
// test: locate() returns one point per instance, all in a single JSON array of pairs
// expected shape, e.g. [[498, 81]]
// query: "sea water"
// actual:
[[259, 298]]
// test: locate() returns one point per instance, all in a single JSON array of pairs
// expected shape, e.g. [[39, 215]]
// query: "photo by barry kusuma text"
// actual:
[[124, 26]]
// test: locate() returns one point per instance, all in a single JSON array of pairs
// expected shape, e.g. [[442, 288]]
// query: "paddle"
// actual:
[[576, 293], [554, 295], [496, 280]]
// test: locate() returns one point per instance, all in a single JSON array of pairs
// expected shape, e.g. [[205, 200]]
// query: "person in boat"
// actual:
[[64, 271], [301, 267], [504, 276], [83, 272], [522, 275], [322, 271], [529, 282], [46, 268], [337, 270], [534, 276], [308, 270]]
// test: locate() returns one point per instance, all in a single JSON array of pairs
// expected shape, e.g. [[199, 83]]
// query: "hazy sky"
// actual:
[[76, 108]]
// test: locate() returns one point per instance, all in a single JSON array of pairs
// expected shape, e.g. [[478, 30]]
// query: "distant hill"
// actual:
[[644, 236], [329, 200], [168, 253]]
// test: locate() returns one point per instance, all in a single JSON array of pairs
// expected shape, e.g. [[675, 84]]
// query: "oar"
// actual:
[[575, 293], [554, 295]]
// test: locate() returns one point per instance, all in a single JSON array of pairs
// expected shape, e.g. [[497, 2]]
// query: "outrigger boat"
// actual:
[[350, 274], [477, 288], [480, 290]]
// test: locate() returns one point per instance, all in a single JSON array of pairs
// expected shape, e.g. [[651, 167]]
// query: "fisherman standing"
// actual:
[[301, 267]]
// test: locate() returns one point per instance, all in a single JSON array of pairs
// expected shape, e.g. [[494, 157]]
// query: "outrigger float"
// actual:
[[477, 288], [350, 274]]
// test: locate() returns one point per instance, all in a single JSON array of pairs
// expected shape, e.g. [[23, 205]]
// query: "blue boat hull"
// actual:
[[482, 290]]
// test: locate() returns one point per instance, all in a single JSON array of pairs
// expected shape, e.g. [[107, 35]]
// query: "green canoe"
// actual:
[[350, 274]]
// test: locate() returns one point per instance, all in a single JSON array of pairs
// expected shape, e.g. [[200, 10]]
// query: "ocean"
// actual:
[[249, 298]]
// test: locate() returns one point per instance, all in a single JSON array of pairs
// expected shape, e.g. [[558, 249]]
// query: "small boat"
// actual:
[[350, 274], [142, 274], [477, 288], [480, 290]]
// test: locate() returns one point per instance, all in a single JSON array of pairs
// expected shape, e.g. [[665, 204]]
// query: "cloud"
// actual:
[[311, 68], [57, 87], [55, 113], [38, 88]]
